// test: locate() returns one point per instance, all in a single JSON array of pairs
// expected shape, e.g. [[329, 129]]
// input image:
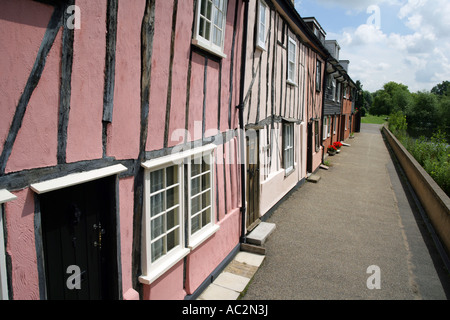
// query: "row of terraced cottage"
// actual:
[[142, 139]]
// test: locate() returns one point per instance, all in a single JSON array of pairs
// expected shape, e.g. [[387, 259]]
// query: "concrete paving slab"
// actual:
[[249, 258], [232, 281], [260, 234], [215, 292]]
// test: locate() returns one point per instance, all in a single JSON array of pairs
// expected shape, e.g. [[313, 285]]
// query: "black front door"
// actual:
[[78, 228]]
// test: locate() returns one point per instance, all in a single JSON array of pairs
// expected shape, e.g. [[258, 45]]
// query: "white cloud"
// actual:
[[420, 59], [356, 5]]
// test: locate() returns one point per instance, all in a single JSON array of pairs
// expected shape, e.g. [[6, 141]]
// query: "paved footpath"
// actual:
[[358, 215]]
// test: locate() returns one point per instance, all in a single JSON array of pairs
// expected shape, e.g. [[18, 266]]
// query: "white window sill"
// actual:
[[169, 261], [208, 48], [290, 82], [202, 236], [261, 47], [289, 171]]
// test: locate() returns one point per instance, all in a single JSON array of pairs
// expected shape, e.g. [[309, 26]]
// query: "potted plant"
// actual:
[[338, 146], [331, 150]]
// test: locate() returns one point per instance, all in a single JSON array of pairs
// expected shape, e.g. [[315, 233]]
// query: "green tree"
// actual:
[[444, 111], [424, 111], [382, 104], [392, 98], [442, 89]]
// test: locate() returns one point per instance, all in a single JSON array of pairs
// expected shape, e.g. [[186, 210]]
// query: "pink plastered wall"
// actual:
[[36, 142], [123, 135], [183, 36], [167, 287], [84, 133], [196, 97], [19, 216], [160, 74], [23, 24], [203, 260], [126, 201]]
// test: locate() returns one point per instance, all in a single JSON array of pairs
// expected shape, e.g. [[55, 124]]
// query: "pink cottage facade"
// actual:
[[119, 146]]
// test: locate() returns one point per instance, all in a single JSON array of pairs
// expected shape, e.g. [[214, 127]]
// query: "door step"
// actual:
[[260, 234], [314, 178]]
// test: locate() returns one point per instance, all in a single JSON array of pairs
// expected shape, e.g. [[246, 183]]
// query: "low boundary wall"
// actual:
[[433, 199]]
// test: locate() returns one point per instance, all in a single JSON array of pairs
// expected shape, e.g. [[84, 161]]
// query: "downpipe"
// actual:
[[240, 107]]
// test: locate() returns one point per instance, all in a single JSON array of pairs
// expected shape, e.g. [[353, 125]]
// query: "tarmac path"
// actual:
[[360, 214]]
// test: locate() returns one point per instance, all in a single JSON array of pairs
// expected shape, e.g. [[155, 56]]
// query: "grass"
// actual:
[[373, 119]]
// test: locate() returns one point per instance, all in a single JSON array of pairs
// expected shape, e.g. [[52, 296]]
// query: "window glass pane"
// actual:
[[206, 199], [206, 166], [172, 218], [173, 239], [172, 195], [196, 166], [218, 19], [205, 27], [156, 180], [206, 217], [171, 176], [195, 224], [158, 226], [157, 203], [217, 37], [157, 249], [291, 71], [205, 181], [195, 186], [205, 8], [196, 204], [262, 36]]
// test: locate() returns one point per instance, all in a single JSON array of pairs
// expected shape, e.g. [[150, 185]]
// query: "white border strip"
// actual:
[[6, 196], [76, 178]]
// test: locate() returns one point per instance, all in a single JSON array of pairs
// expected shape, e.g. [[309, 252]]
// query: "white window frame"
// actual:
[[5, 196], [329, 126], [207, 42], [338, 92], [325, 128], [346, 122], [261, 25], [318, 75], [151, 271], [291, 61], [199, 236], [288, 147], [334, 125], [333, 87]]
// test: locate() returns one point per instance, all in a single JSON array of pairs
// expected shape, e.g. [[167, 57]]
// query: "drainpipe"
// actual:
[[323, 105], [240, 107]]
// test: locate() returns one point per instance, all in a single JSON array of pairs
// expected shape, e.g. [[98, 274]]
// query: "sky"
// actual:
[[406, 41]]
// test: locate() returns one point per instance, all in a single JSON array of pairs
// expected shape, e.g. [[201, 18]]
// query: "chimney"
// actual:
[[344, 64]]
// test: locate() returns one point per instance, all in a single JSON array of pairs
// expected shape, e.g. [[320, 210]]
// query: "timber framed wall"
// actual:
[[273, 102], [122, 89]]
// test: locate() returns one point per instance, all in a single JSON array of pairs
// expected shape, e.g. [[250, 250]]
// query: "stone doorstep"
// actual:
[[313, 178], [234, 279], [260, 234]]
